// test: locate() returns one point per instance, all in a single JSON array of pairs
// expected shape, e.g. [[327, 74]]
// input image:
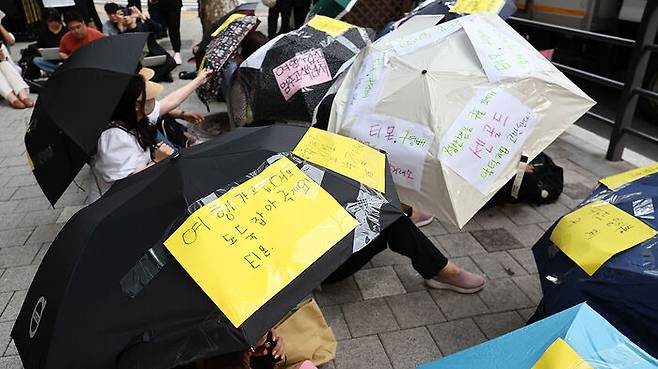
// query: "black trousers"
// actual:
[[300, 9], [162, 71], [171, 16], [283, 8], [404, 238]]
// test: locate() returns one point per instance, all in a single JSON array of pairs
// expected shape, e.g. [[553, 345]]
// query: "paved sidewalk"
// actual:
[[383, 316]]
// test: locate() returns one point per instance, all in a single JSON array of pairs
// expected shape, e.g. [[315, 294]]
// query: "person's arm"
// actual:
[[174, 99], [189, 116], [7, 37], [63, 55]]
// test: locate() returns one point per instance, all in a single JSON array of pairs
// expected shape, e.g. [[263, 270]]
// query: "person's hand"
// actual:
[[192, 117], [278, 351], [162, 151], [134, 12], [2, 55], [204, 75]]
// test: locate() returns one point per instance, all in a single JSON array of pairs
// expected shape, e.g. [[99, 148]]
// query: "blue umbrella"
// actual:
[[623, 289], [594, 339]]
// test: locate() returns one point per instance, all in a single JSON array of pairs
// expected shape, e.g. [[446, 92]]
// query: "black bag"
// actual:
[[543, 186], [173, 131], [30, 71]]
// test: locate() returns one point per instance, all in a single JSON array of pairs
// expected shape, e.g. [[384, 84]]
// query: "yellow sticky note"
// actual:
[[228, 21], [597, 231], [332, 27], [345, 156], [560, 355], [477, 6], [618, 180], [251, 242]]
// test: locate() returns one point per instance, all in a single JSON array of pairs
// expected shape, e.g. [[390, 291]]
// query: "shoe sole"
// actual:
[[425, 222], [431, 283]]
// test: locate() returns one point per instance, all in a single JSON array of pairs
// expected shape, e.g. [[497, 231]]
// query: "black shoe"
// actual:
[[187, 75]]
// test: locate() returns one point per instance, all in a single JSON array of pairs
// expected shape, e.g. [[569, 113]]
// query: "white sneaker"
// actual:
[[178, 59]]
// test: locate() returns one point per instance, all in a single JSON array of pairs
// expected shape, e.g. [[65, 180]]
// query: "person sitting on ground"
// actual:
[[404, 238], [79, 34], [114, 23], [137, 22], [50, 37], [12, 86], [129, 144]]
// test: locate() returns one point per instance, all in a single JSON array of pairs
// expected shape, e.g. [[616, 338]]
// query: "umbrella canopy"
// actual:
[[293, 72], [623, 288], [228, 37], [455, 106], [443, 7], [108, 294], [332, 8], [575, 338], [75, 106]]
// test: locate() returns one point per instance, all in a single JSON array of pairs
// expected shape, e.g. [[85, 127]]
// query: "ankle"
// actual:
[[449, 271]]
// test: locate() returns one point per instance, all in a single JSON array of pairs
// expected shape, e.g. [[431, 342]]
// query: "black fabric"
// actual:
[[282, 8], [171, 17], [48, 39], [404, 238], [543, 186], [90, 322], [300, 9], [99, 73], [173, 131]]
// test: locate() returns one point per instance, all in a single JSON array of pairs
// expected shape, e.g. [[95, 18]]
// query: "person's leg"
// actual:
[[163, 71], [272, 21], [7, 93], [45, 65], [16, 82], [172, 17], [405, 238], [286, 11], [300, 11], [157, 17], [94, 15]]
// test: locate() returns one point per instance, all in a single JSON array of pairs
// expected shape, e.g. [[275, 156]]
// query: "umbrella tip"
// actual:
[[424, 71]]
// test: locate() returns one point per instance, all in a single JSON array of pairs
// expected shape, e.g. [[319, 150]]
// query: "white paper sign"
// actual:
[[406, 144], [419, 40], [57, 3], [501, 55], [486, 136], [368, 84]]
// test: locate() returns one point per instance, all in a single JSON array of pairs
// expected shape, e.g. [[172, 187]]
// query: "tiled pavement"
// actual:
[[383, 316]]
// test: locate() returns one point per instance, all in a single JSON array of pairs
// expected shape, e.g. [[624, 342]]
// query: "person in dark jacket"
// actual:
[[137, 22], [169, 11]]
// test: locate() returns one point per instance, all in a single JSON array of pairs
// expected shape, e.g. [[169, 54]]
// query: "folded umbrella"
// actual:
[[577, 338], [224, 45], [75, 106], [292, 72], [456, 106], [616, 273], [108, 294]]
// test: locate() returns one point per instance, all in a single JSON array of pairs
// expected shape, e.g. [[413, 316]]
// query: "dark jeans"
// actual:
[[283, 7], [171, 17], [156, 16], [162, 71], [404, 238]]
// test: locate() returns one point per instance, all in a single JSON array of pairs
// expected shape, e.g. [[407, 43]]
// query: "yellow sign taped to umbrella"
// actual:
[[596, 232], [228, 21], [332, 27], [247, 245], [345, 156], [477, 6], [560, 355], [618, 180]]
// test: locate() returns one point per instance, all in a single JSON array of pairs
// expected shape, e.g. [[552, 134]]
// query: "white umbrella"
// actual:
[[455, 106]]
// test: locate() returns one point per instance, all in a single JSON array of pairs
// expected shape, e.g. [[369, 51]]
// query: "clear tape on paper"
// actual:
[[366, 210]]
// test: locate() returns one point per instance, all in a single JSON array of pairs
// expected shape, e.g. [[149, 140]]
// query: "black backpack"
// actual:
[[543, 186]]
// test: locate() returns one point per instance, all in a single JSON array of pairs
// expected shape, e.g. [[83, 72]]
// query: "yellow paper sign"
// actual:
[[477, 6], [594, 233], [247, 245], [345, 156], [559, 355], [332, 27], [618, 180], [228, 21]]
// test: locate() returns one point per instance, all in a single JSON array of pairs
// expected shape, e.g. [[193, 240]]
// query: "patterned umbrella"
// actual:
[[226, 42]]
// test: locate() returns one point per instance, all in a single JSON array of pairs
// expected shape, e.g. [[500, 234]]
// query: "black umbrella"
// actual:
[[286, 79], [220, 50], [109, 295], [75, 106]]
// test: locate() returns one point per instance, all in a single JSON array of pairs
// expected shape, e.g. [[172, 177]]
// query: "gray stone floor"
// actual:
[[383, 316]]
